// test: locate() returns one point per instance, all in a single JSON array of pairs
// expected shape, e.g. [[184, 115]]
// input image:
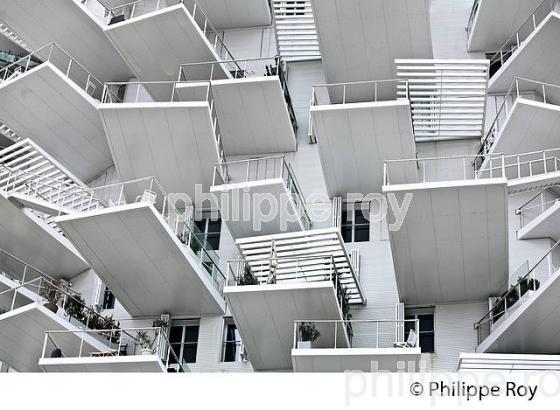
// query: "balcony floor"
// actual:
[[453, 245], [46, 106], [143, 263], [364, 360], [121, 364], [265, 315], [26, 236], [355, 139], [174, 142], [253, 116], [401, 29], [155, 44], [533, 59], [22, 335]]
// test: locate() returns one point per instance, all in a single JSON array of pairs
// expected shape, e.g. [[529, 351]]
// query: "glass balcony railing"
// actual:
[[261, 169], [520, 88], [120, 342], [362, 334], [512, 44], [472, 17], [518, 293], [55, 55], [148, 190], [362, 91], [139, 8], [536, 205]]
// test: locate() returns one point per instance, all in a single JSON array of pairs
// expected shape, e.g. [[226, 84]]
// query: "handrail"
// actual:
[[514, 294], [474, 12], [515, 40], [12, 68], [375, 89], [397, 336], [240, 69], [161, 345]]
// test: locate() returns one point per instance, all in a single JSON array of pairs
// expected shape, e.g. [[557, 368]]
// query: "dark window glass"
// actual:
[[355, 225], [191, 334], [361, 233], [427, 342], [108, 299], [210, 231], [189, 354], [176, 334], [426, 323]]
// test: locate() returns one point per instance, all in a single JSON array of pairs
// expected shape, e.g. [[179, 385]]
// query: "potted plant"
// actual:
[[145, 341], [307, 335], [52, 294], [247, 278]]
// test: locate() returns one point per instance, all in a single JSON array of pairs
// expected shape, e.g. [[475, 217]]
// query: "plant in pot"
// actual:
[[533, 284], [145, 342], [247, 278], [75, 307], [52, 294], [512, 297], [307, 335]]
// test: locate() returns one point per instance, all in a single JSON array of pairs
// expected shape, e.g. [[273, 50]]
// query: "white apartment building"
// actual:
[[406, 150]]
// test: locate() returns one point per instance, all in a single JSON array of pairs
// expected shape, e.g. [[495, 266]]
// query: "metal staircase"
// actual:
[[447, 97], [295, 30]]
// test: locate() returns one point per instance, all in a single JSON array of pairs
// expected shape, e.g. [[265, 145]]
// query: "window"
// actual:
[[355, 222], [232, 348], [108, 299], [210, 229], [427, 333], [183, 337]]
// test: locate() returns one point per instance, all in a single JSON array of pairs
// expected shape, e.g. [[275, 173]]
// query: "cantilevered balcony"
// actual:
[[540, 215], [254, 107], [257, 291], [231, 14], [526, 120], [529, 51], [492, 21], [480, 362], [49, 97], [156, 37], [147, 252], [452, 245], [172, 134], [76, 25], [375, 345], [126, 350], [360, 39], [260, 196], [30, 307], [33, 188], [525, 318], [357, 127]]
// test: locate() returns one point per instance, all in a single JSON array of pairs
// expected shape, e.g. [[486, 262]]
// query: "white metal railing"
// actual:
[[149, 190], [55, 55], [512, 44], [528, 164], [536, 205], [520, 88], [441, 169], [518, 293], [139, 8], [359, 91], [63, 193], [276, 270], [120, 342], [135, 92], [364, 334], [260, 169]]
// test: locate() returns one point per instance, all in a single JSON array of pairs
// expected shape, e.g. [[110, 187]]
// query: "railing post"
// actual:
[[377, 334], [295, 334], [335, 334], [544, 93], [344, 94]]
